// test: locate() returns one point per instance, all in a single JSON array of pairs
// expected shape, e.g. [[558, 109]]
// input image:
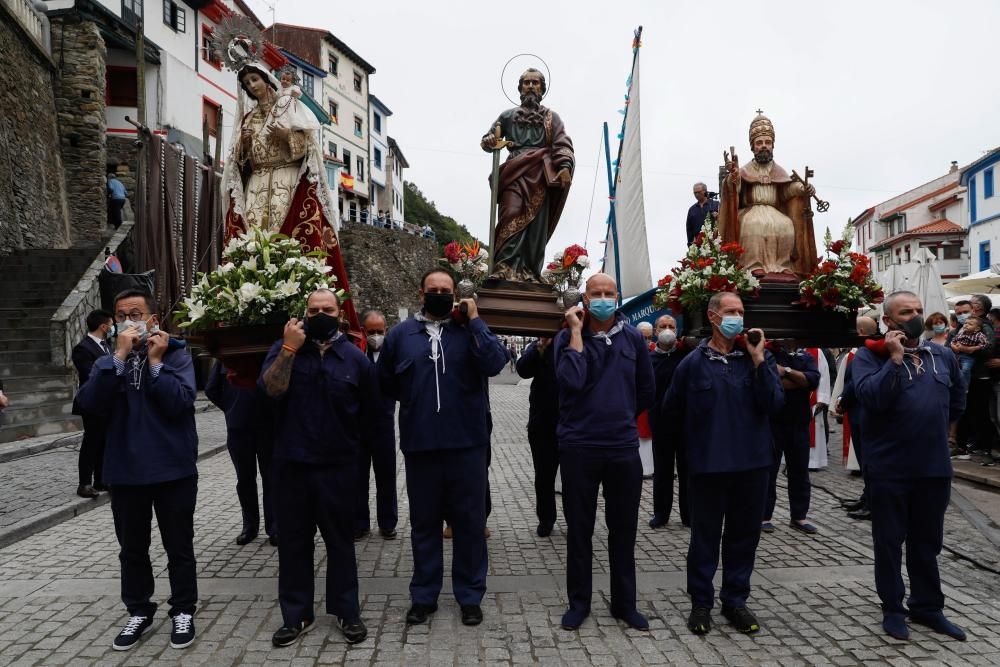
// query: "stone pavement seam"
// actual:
[[15, 450]]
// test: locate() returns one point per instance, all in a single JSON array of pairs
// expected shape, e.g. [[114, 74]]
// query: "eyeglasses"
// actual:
[[133, 315]]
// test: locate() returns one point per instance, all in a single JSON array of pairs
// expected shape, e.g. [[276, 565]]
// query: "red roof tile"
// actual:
[[933, 228]]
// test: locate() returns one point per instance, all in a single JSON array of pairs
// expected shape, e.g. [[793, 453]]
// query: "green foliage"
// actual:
[[421, 211]]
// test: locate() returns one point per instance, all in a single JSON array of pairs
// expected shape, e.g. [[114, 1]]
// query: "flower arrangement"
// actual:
[[709, 266], [263, 273], [565, 271], [468, 260], [843, 282]]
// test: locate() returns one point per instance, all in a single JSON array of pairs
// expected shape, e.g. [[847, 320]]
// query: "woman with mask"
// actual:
[[936, 328]]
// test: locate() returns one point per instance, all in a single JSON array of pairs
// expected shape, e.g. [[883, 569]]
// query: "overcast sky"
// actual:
[[876, 96]]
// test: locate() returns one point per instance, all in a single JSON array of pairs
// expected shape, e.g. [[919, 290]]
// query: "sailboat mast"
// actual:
[[611, 213]]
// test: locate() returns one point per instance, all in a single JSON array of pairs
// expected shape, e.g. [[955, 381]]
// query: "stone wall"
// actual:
[[33, 202], [384, 267], [79, 51]]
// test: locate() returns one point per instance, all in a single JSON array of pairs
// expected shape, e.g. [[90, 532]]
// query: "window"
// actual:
[[308, 83], [210, 115], [972, 200], [932, 249], [357, 82], [121, 88], [357, 126], [952, 251], [377, 122], [347, 161], [984, 255], [208, 54], [378, 158], [881, 263], [173, 16], [988, 183], [353, 208], [332, 149], [131, 11], [907, 254], [361, 168], [332, 67], [332, 107]]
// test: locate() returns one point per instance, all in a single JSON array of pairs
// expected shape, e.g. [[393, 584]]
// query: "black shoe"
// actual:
[[657, 521], [472, 614], [247, 536], [87, 491], [419, 612], [387, 533], [742, 619], [135, 628], [859, 504], [544, 528], [100, 486], [272, 540], [700, 620], [361, 534], [287, 635], [182, 632], [864, 514], [354, 631], [633, 619]]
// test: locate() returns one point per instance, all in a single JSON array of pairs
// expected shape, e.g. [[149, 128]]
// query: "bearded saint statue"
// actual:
[[533, 182], [767, 212]]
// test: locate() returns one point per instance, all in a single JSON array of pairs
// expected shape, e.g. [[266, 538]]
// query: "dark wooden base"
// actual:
[[240, 349], [522, 309], [774, 312]]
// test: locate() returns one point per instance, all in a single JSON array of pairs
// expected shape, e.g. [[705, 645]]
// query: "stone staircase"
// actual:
[[33, 283]]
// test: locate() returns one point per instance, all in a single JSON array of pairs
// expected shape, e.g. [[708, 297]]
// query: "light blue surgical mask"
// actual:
[[940, 328], [963, 317], [603, 309], [732, 326]]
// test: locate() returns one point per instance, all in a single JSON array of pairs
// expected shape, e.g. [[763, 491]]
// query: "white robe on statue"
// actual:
[[817, 428]]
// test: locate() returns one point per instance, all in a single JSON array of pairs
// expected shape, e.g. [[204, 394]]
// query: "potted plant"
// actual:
[[843, 282], [565, 272], [709, 266], [240, 308], [470, 262]]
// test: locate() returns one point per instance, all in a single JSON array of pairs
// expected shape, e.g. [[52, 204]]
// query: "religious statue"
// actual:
[[767, 211], [274, 177], [532, 184]]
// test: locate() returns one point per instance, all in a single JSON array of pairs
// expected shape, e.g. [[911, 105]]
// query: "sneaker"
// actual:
[[182, 634], [135, 628], [700, 620], [742, 619], [806, 527], [767, 527], [418, 613], [354, 631], [289, 634]]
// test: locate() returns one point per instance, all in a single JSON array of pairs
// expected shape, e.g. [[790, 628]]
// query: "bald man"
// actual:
[[605, 380]]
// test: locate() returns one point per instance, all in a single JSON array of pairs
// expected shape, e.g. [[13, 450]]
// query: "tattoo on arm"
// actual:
[[278, 376]]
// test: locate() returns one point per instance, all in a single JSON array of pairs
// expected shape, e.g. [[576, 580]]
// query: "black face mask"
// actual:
[[321, 326], [912, 327], [438, 305]]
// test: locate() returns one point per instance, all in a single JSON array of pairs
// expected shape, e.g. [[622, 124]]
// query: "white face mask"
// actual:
[[375, 341], [666, 339]]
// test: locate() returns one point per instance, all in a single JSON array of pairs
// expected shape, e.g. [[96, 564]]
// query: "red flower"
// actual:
[[859, 274], [878, 296], [719, 284], [829, 266], [698, 240], [837, 247], [571, 253], [552, 266], [453, 252], [664, 281], [831, 297], [732, 247]]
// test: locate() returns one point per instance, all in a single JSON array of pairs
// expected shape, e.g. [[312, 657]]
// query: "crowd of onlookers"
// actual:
[[385, 221]]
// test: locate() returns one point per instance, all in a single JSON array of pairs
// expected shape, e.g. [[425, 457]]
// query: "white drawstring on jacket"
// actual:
[[434, 332]]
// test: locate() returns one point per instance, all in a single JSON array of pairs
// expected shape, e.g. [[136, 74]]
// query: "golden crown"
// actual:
[[761, 126]]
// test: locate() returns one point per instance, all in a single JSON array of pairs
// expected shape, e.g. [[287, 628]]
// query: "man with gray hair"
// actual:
[[703, 206], [911, 390]]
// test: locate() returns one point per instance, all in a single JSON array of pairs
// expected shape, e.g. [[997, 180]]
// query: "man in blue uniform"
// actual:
[[910, 392], [667, 447], [437, 366], [605, 380], [326, 396], [799, 377], [725, 393], [378, 451], [250, 441], [702, 207], [146, 392], [538, 364]]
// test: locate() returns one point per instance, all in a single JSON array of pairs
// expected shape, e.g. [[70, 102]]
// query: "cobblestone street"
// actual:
[[815, 597]]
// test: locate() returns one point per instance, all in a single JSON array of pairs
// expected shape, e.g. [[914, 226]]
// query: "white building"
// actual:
[[379, 139], [394, 180], [185, 85], [345, 98], [983, 209], [931, 216]]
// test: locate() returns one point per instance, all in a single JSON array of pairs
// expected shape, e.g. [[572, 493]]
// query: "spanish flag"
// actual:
[[347, 180]]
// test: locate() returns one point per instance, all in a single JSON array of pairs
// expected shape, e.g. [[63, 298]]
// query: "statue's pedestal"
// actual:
[[774, 312], [521, 309]]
